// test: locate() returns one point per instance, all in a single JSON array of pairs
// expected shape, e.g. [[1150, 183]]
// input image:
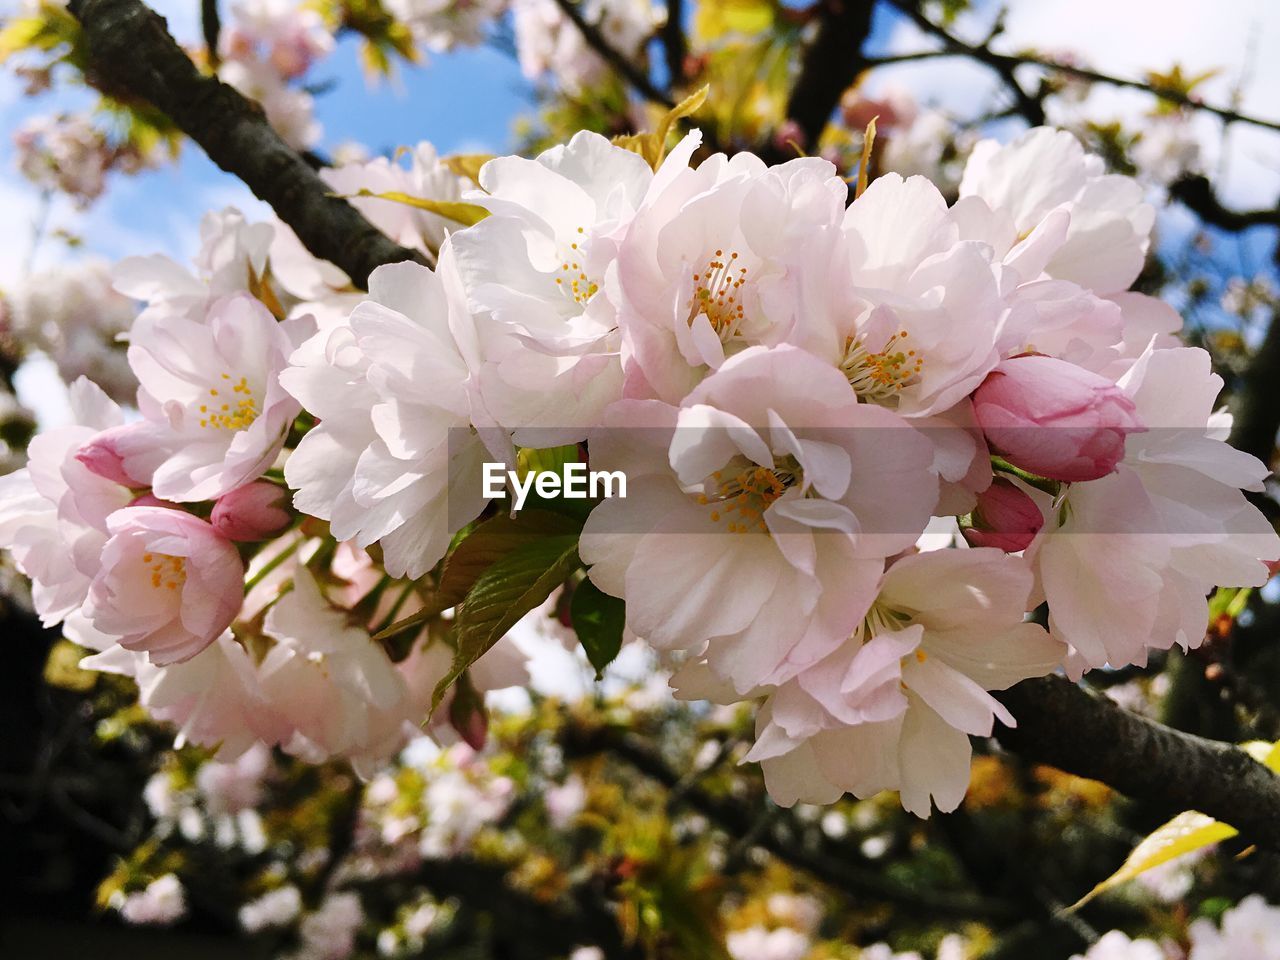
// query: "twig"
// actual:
[[674, 43], [832, 862], [1196, 194], [133, 57], [211, 27], [1005, 64], [636, 77]]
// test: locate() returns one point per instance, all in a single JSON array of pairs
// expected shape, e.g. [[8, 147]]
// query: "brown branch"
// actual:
[[132, 57], [554, 927], [829, 66], [674, 43], [1005, 64], [622, 65], [839, 864], [1061, 724], [1196, 194], [1028, 106]]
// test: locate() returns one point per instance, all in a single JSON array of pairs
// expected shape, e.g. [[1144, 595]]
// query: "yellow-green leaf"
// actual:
[[717, 18], [467, 164], [463, 213], [653, 146], [1185, 833], [864, 168]]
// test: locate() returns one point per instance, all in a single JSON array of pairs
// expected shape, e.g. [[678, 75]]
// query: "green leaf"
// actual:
[[505, 592], [466, 214], [490, 542], [545, 460], [475, 553], [598, 620]]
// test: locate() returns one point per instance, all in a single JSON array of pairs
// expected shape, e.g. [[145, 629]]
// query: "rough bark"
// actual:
[[1065, 726], [133, 58]]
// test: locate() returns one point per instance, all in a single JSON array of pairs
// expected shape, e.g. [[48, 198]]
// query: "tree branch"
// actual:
[[133, 57], [829, 66], [1026, 105], [1196, 194], [637, 78], [674, 43], [547, 928], [1061, 724], [829, 861], [1005, 64]]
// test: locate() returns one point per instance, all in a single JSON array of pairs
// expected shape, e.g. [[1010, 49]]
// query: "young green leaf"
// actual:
[[598, 620], [505, 592]]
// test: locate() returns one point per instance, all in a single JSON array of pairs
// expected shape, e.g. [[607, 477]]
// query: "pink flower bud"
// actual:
[[1005, 518], [104, 456], [1055, 419], [256, 511]]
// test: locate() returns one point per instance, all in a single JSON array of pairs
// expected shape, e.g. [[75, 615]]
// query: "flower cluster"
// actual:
[[796, 384]]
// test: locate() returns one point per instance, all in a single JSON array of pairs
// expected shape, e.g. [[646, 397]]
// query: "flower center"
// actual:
[[233, 407], [878, 377], [742, 492], [574, 282], [167, 572], [716, 294]]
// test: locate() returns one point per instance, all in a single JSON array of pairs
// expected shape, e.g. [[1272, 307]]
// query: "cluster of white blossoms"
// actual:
[[797, 387]]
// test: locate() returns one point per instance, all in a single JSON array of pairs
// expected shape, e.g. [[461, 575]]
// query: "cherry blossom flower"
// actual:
[[426, 176], [893, 708], [711, 263], [169, 583], [232, 259], [216, 416], [761, 943], [325, 678], [1249, 929], [161, 903], [1045, 172], [443, 25], [1116, 945], [53, 512], [812, 488], [1054, 419], [541, 267], [1125, 562], [395, 458], [214, 699], [915, 325], [71, 313], [291, 34]]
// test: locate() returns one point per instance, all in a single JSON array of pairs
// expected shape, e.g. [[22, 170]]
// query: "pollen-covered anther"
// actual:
[[881, 375], [743, 498], [573, 280], [166, 572], [234, 412], [717, 294]]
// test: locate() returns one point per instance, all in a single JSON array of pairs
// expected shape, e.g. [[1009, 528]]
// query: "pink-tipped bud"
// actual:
[[468, 717], [256, 511], [104, 456], [1055, 419], [1005, 518]]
